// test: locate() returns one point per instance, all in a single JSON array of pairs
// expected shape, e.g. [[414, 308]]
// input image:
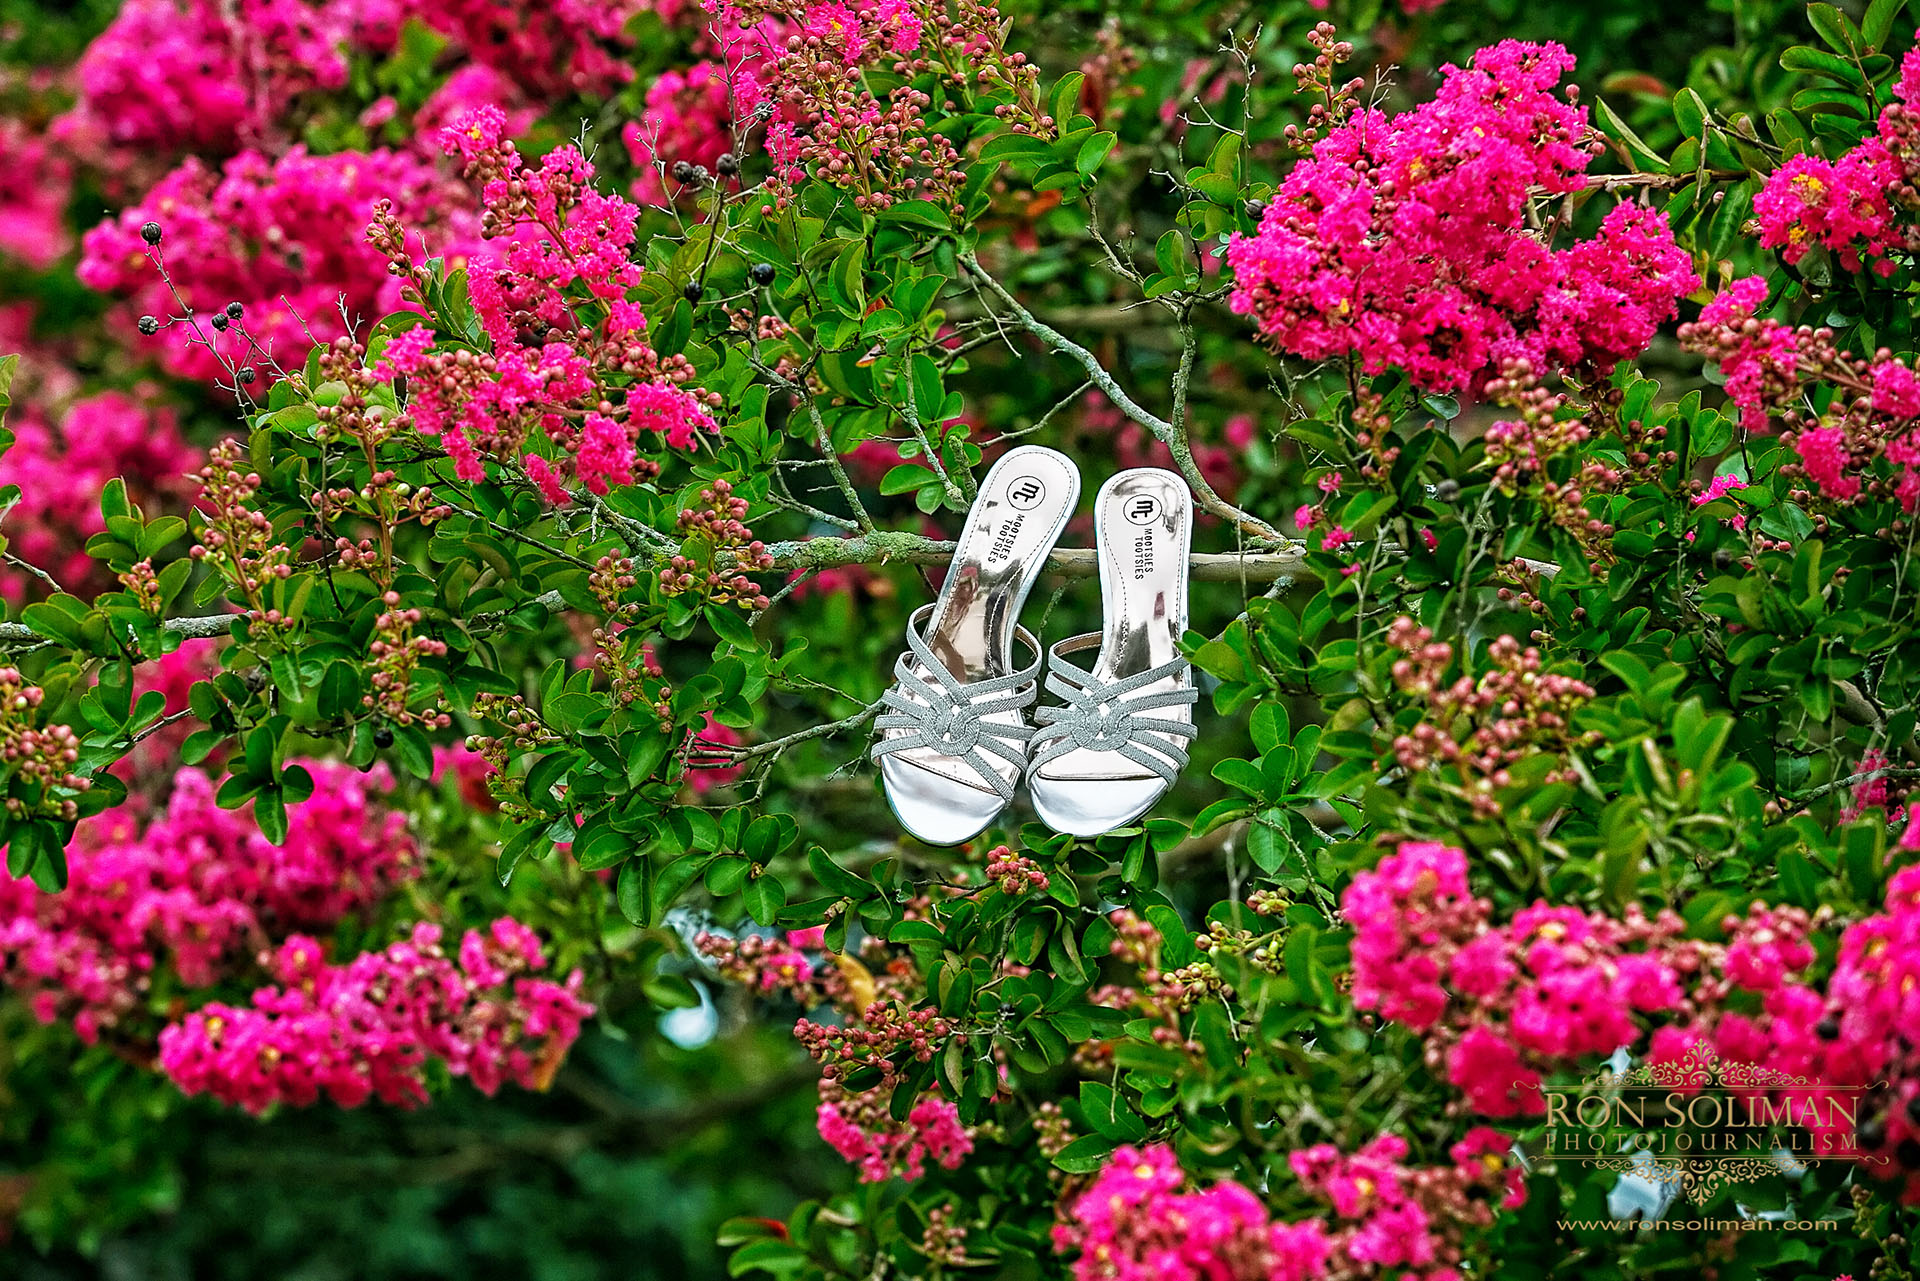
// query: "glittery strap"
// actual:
[[1107, 716], [947, 716]]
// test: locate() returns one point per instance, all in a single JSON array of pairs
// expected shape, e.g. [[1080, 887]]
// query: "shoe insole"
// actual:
[[1143, 529], [1023, 504]]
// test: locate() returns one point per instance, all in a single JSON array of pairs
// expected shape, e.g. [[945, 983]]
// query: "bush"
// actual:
[[490, 699]]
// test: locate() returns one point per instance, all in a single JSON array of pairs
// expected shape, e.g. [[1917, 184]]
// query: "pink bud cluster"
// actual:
[[1501, 1005], [772, 964], [1134, 1223], [279, 236], [862, 1130], [393, 655], [1406, 242], [42, 756], [1864, 205], [1014, 874], [369, 1028], [1862, 446], [1392, 1220], [61, 470], [1480, 728], [717, 526], [825, 121], [887, 1034], [195, 892], [235, 537], [569, 360]]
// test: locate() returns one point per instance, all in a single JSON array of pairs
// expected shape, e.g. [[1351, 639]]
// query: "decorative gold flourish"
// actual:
[[1697, 1178], [1700, 1068]]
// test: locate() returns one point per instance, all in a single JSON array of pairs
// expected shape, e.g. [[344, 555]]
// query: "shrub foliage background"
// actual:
[[1556, 457]]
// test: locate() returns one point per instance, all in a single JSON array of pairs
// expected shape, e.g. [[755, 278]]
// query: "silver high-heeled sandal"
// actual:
[[953, 738], [1114, 749]]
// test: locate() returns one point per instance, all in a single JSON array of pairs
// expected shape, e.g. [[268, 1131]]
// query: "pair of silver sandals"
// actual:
[[954, 739]]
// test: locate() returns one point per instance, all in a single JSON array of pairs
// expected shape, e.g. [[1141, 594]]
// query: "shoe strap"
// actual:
[[947, 716], [1106, 716]]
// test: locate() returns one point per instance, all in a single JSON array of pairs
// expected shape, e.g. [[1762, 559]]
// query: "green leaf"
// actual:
[[1644, 158], [846, 279], [906, 478], [630, 892], [1085, 1154], [1015, 147], [1093, 152], [1878, 23], [1108, 1115], [1805, 58], [1689, 112], [1835, 28], [763, 897], [516, 848]]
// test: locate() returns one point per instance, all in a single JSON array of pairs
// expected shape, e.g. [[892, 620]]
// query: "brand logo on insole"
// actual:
[[1025, 493], [1142, 509]]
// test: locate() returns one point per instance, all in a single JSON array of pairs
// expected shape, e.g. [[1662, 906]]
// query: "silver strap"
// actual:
[[947, 716], [1106, 716]]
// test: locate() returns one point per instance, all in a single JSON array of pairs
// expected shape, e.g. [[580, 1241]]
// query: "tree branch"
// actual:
[[1165, 432], [891, 547]]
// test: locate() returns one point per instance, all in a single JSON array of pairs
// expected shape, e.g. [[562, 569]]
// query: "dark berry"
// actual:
[[245, 375], [1828, 1029], [692, 292], [1256, 209], [682, 171], [763, 273], [149, 325], [150, 232], [235, 311], [1722, 558], [383, 738], [220, 321], [1447, 491], [726, 166]]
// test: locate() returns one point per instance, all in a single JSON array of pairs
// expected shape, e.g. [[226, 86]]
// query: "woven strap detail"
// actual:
[[1111, 716], [947, 716]]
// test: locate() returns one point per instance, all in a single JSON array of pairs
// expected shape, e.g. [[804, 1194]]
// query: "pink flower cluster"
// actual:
[[35, 184], [211, 76], [1405, 241], [199, 75], [1135, 1224], [1863, 1030], [1503, 1004], [688, 119], [1841, 449], [1860, 206], [369, 1028], [282, 238], [1405, 1223], [860, 1129], [61, 471], [197, 890], [570, 359]]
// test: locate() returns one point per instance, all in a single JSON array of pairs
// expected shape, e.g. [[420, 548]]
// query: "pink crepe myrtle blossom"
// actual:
[[1404, 240], [368, 1029]]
